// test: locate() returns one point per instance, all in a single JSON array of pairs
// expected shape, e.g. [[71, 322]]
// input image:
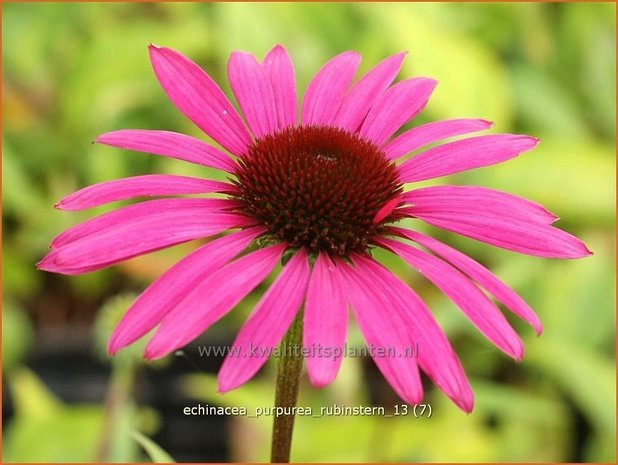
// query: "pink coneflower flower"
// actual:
[[323, 190]]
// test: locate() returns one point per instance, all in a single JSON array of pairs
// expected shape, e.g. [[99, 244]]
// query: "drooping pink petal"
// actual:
[[385, 334], [325, 322], [201, 100], [211, 300], [267, 325], [429, 133], [395, 107], [361, 97], [137, 237], [463, 155], [508, 232], [280, 71], [120, 216], [169, 144], [326, 90], [150, 185], [463, 292], [478, 273], [173, 285], [476, 201], [436, 356], [254, 92]]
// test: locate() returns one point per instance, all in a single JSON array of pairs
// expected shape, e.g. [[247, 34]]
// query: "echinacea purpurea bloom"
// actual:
[[323, 190]]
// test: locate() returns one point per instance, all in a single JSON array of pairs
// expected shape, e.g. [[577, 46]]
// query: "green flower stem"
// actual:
[[117, 400], [289, 369]]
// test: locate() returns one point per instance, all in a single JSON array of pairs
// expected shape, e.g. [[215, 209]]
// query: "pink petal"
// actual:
[[436, 357], [476, 306], [212, 299], [429, 133], [170, 288], [169, 144], [478, 273], [362, 96], [137, 237], [476, 201], [509, 232], [254, 93], [384, 332], [267, 325], [395, 107], [325, 322], [280, 71], [148, 185], [325, 92], [466, 154], [120, 216], [201, 100], [387, 209]]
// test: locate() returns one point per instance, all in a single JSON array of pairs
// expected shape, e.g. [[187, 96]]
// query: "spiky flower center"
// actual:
[[317, 187]]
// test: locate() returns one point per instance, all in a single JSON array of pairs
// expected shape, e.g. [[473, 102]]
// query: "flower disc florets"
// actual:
[[317, 187]]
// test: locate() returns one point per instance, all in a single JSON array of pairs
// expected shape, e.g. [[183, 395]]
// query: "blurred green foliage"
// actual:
[[73, 71]]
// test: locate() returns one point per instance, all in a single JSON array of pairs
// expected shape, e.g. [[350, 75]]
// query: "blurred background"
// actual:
[[73, 71]]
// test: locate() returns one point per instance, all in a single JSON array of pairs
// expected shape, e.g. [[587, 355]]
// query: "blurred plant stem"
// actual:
[[118, 396], [289, 368]]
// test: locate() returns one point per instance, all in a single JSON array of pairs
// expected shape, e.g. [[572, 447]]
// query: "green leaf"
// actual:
[[588, 379], [19, 193], [478, 88], [546, 105], [46, 430], [154, 451], [17, 335]]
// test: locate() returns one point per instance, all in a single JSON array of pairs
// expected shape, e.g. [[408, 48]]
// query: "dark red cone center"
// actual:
[[317, 187]]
